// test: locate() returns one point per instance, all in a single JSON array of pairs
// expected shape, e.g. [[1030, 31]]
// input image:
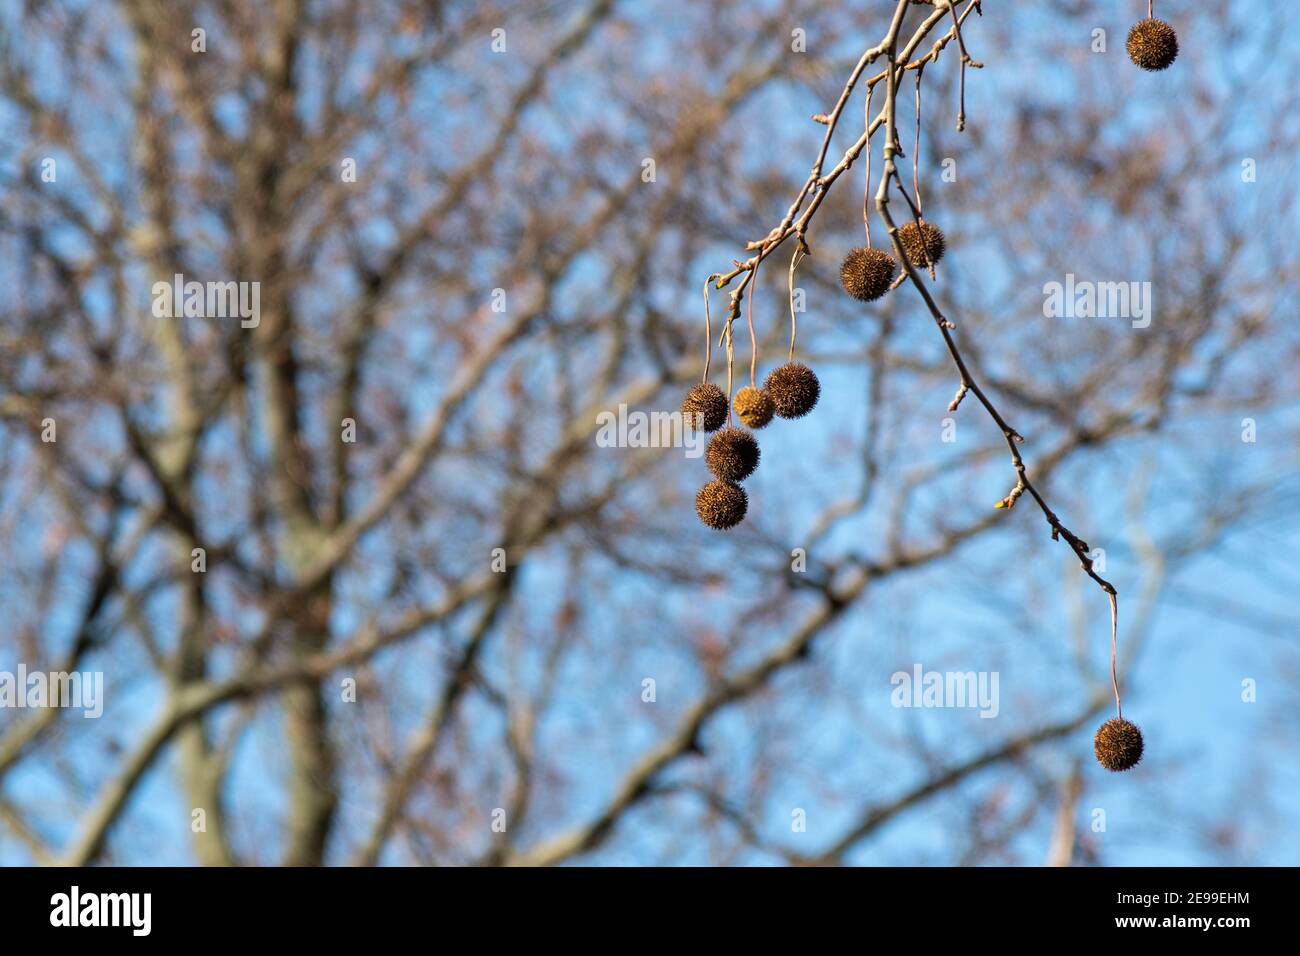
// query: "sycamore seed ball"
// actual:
[[706, 400], [732, 454], [1118, 744], [754, 406], [1152, 44], [866, 273], [794, 389], [721, 504], [924, 246]]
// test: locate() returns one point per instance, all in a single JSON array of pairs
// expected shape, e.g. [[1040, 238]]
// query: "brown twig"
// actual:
[[753, 339], [794, 325], [708, 331], [968, 383], [818, 185]]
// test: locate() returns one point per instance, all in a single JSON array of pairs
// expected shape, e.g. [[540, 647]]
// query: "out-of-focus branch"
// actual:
[[636, 783], [425, 742], [1060, 852], [876, 816]]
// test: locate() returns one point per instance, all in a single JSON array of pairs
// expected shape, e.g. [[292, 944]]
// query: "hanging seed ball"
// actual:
[[794, 389], [1118, 744], [732, 454], [754, 406], [1152, 44], [867, 273], [924, 246], [721, 504], [705, 399]]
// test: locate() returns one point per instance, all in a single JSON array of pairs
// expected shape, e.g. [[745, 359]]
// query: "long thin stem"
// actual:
[[730, 366], [965, 60], [1114, 630], [708, 330], [753, 339], [866, 186], [916, 148], [794, 325]]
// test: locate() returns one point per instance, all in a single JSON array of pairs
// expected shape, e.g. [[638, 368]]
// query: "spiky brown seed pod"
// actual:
[[721, 504], [1118, 744], [794, 389], [1152, 44], [732, 454], [923, 247], [705, 399], [866, 273], [754, 406]]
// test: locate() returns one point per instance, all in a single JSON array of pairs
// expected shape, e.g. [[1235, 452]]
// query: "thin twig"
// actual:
[[708, 331], [866, 184], [916, 147], [753, 339], [794, 325]]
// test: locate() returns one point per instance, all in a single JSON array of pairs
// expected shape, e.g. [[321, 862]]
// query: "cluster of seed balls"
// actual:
[[1152, 44], [790, 391], [868, 273]]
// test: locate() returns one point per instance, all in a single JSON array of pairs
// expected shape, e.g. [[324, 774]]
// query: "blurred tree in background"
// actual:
[[463, 251]]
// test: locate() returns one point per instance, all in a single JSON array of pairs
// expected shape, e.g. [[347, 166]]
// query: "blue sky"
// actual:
[[1211, 753]]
